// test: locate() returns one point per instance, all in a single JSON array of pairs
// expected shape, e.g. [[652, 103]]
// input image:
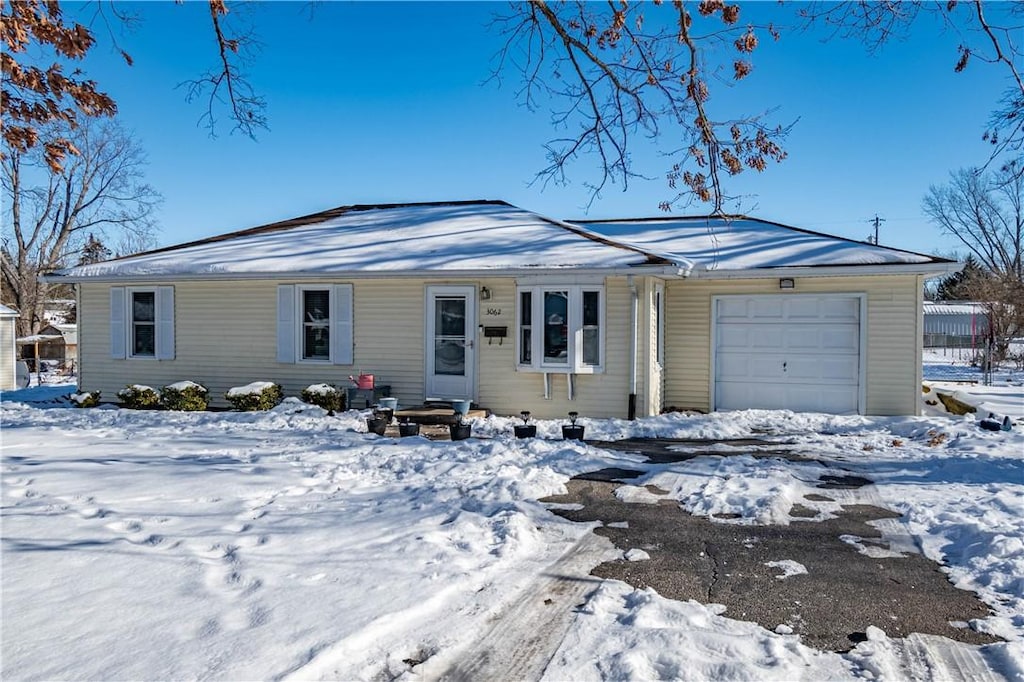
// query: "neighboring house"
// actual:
[[70, 334], [8, 349], [955, 324], [48, 345], [516, 311]]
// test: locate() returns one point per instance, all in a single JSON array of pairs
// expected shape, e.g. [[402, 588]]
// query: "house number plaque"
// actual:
[[492, 311]]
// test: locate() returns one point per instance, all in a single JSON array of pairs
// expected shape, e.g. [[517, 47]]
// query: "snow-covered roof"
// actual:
[[445, 237], [8, 312], [954, 308], [70, 332], [37, 338], [743, 243], [493, 236]]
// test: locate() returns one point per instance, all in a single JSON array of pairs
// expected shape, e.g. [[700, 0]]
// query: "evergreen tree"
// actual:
[[94, 251], [961, 286]]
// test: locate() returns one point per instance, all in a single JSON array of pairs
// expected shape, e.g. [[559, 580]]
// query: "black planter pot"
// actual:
[[460, 431], [526, 431], [572, 432], [377, 425], [408, 430]]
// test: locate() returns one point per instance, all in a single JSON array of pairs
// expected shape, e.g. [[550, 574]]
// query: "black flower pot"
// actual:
[[572, 432], [408, 430], [377, 425], [526, 431], [460, 431]]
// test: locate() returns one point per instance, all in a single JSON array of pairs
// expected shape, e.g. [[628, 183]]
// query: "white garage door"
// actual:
[[797, 352]]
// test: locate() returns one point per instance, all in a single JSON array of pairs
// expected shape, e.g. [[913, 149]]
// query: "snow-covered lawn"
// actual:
[[288, 544]]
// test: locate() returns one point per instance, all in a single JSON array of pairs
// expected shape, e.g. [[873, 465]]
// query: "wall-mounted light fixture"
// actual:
[[485, 294], [787, 283]]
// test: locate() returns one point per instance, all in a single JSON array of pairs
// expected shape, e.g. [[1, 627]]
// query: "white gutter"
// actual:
[[926, 269], [669, 271]]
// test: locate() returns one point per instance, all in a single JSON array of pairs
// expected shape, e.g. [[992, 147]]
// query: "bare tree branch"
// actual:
[[228, 83], [620, 72], [876, 23], [100, 191]]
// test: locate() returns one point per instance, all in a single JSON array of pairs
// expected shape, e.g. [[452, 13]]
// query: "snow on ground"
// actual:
[[291, 544]]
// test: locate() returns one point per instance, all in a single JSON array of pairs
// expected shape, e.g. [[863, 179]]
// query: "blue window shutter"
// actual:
[[341, 325], [286, 323], [165, 323], [117, 324]]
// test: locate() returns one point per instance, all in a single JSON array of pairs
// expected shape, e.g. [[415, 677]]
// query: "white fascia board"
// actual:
[[926, 269], [657, 270]]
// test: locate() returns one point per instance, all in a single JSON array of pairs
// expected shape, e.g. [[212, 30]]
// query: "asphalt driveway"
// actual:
[[842, 593]]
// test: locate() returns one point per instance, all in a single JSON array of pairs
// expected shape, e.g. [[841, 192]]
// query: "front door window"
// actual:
[[450, 336]]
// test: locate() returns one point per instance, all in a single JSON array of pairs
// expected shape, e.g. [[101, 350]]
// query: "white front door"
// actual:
[[451, 342], [799, 352]]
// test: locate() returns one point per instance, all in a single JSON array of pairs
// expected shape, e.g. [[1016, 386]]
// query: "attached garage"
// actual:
[[800, 352]]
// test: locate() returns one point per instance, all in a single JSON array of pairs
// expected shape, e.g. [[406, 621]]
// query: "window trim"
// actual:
[[300, 324], [574, 344], [129, 326]]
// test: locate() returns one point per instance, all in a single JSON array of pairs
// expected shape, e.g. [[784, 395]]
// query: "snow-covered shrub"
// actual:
[[259, 395], [85, 399], [186, 396], [326, 396], [138, 397]]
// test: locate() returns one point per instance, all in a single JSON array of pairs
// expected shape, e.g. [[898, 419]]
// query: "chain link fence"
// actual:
[[952, 358]]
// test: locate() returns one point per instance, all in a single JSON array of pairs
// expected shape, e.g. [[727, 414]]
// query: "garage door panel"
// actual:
[[797, 352], [841, 309], [767, 309], [803, 308], [732, 309], [843, 370], [805, 337], [735, 337], [742, 366], [841, 339], [767, 338]]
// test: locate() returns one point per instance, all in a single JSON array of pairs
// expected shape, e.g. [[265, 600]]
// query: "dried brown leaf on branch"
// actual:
[[35, 95], [624, 73]]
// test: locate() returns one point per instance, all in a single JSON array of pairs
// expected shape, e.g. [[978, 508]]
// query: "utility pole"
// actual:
[[876, 220]]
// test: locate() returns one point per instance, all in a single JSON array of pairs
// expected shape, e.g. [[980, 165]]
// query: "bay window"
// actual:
[[560, 328]]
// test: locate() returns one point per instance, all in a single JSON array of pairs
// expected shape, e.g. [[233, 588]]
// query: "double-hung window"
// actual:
[[142, 323], [314, 323], [560, 328]]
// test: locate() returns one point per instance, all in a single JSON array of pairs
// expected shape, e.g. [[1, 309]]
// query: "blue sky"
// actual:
[[387, 102]]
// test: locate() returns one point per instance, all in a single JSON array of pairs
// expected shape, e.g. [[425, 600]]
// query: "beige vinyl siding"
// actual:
[[507, 391], [892, 336], [225, 336], [8, 351]]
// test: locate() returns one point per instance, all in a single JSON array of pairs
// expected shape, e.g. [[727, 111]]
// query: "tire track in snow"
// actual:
[[930, 657], [521, 640]]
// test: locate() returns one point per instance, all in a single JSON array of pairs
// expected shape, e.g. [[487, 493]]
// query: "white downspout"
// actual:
[[634, 300]]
